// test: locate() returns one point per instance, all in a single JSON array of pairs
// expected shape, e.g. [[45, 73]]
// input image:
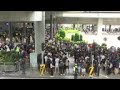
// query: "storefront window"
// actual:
[[89, 28], [22, 31]]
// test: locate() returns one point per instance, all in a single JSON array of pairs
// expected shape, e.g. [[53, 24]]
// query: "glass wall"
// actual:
[[89, 28], [18, 32], [111, 29], [84, 28]]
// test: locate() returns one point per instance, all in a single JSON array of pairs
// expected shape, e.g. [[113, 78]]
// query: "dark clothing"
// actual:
[[75, 76], [52, 71], [76, 73], [23, 66], [61, 66], [39, 60], [25, 47]]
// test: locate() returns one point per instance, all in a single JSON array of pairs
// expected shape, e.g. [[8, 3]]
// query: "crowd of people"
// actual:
[[23, 49], [57, 58]]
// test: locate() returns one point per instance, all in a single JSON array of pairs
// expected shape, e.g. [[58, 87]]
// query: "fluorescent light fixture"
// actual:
[[37, 16], [92, 15]]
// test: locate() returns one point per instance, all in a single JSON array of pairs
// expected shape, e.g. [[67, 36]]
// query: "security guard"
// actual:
[[75, 69]]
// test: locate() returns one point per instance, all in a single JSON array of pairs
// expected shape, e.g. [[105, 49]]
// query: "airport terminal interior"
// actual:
[[60, 44]]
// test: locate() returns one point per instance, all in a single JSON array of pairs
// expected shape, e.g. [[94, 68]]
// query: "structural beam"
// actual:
[[39, 27]]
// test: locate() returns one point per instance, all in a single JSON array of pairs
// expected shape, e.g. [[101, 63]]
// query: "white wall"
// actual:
[[111, 39]]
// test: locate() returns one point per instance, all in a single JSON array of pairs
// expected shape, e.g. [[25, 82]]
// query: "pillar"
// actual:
[[99, 26], [24, 27], [99, 29], [10, 31], [109, 27], [57, 25], [73, 26], [39, 27], [51, 25]]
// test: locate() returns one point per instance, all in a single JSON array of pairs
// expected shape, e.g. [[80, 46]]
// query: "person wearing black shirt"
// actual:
[[39, 60]]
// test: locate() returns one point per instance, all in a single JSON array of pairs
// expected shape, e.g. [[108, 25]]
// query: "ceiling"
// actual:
[[69, 20]]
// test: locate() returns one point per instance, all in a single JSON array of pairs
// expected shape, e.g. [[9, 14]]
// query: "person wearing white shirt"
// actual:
[[67, 66], [57, 65], [51, 59], [86, 58], [49, 54], [46, 58], [102, 57], [31, 39], [51, 68], [8, 49]]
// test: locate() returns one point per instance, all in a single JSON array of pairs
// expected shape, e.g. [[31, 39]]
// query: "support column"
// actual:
[[99, 26], [57, 25], [73, 26], [51, 26], [39, 27], [24, 27], [10, 31], [24, 32], [109, 27], [99, 29]]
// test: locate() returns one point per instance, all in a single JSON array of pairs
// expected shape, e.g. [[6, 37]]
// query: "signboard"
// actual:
[[42, 69], [33, 60], [91, 71]]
